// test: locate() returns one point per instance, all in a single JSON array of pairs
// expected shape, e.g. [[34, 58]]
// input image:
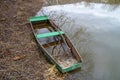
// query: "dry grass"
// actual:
[[16, 40], [52, 72]]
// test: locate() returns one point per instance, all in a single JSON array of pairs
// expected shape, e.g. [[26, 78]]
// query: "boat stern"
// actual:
[[73, 67]]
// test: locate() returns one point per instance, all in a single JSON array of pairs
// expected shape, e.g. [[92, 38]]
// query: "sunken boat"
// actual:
[[55, 44]]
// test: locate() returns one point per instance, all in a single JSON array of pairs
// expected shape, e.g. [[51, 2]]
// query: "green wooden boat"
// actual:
[[55, 44]]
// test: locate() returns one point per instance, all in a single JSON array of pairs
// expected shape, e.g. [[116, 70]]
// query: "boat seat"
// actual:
[[38, 18], [49, 34], [52, 44]]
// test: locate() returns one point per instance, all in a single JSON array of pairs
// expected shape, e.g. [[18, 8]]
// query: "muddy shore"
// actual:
[[20, 58]]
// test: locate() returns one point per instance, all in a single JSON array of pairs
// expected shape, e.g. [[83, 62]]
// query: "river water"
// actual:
[[94, 29]]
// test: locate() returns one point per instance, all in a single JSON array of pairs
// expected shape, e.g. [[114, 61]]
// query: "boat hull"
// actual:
[[47, 54]]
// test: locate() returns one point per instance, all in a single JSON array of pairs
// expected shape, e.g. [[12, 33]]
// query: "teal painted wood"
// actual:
[[38, 18], [49, 57], [64, 70], [49, 34], [73, 67]]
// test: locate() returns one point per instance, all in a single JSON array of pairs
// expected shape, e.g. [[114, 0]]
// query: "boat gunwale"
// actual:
[[43, 49], [46, 53]]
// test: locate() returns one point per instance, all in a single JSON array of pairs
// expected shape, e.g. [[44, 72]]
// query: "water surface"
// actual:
[[94, 29]]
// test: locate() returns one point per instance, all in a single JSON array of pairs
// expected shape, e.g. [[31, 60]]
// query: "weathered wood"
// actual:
[[51, 44], [55, 47]]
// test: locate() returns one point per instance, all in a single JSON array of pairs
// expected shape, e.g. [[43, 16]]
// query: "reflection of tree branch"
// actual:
[[63, 22], [114, 3]]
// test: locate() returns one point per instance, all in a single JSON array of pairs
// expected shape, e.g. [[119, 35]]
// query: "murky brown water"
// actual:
[[94, 28], [55, 2]]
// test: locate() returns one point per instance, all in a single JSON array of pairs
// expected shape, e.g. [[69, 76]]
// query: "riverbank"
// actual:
[[19, 55]]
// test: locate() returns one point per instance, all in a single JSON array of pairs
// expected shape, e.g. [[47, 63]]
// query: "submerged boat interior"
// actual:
[[56, 43]]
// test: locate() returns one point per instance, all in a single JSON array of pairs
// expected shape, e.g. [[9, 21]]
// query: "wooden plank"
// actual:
[[52, 44], [39, 26], [38, 18], [75, 53], [49, 34]]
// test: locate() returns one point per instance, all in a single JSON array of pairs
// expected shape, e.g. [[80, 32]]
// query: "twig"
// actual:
[[19, 57]]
